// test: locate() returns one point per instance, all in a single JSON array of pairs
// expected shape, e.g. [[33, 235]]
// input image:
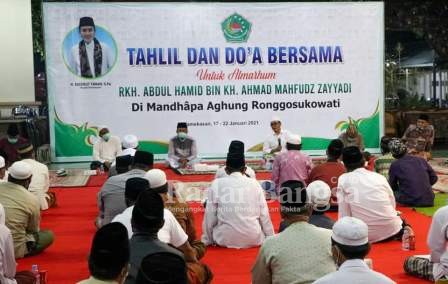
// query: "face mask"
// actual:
[[13, 140], [106, 137], [182, 135]]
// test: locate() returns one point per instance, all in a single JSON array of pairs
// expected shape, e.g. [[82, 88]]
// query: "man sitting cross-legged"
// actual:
[[111, 196], [147, 220], [236, 215], [367, 196], [299, 254], [181, 211], [23, 212]]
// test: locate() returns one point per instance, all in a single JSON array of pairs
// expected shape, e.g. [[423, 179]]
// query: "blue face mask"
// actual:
[[13, 140], [182, 135]]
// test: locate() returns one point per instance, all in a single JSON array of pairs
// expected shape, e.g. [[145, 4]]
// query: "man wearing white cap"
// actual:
[[299, 254], [105, 150], [40, 181], [130, 145], [3, 172], [275, 142], [350, 245], [291, 165], [319, 194], [23, 212], [181, 211], [170, 232]]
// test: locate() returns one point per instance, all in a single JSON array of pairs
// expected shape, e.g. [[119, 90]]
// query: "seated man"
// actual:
[[419, 137], [109, 255], [330, 171], [181, 210], [292, 164], [128, 149], [3, 172], [274, 143], [318, 193], [435, 266], [40, 180], [162, 267], [129, 145], [367, 196], [352, 137], [10, 144], [121, 165], [8, 274], [350, 245], [383, 162], [235, 147], [239, 222], [170, 233], [411, 178], [23, 212], [299, 254], [111, 200], [105, 150], [182, 148], [147, 219]]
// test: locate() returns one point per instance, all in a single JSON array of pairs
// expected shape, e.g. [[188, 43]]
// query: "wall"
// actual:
[[16, 49]]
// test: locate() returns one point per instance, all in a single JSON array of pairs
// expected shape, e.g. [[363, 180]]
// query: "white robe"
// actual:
[[40, 182], [236, 215]]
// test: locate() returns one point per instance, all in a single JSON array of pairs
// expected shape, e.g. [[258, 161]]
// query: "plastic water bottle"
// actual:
[[35, 271], [408, 240], [405, 240]]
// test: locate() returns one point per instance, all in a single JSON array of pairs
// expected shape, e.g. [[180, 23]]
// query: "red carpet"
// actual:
[[72, 223]]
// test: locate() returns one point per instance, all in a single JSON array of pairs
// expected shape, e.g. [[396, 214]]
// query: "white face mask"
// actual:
[[182, 135], [13, 140], [106, 137]]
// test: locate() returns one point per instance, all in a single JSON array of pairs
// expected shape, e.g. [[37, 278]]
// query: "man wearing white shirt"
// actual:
[[274, 143], [3, 172], [236, 215], [40, 180], [105, 150], [90, 58], [434, 267], [350, 244], [171, 232], [367, 196]]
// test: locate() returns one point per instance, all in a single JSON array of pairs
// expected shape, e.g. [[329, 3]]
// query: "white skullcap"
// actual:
[[319, 193], [276, 118], [294, 139], [128, 151], [130, 141], [2, 162], [156, 178], [20, 170], [350, 231]]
